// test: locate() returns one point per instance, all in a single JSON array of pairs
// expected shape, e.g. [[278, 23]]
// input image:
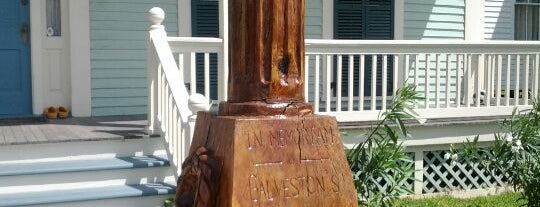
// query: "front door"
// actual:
[[15, 87]]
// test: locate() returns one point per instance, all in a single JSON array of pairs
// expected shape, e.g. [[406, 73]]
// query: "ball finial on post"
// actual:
[[157, 15], [198, 102]]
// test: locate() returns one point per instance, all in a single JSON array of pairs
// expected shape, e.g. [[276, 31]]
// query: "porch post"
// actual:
[[474, 20], [223, 57], [474, 31], [418, 172], [157, 15]]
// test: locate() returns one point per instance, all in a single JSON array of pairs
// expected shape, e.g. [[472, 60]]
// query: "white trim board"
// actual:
[[36, 23], [79, 50]]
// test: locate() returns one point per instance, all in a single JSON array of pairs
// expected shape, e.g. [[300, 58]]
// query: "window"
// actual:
[[527, 20], [54, 26]]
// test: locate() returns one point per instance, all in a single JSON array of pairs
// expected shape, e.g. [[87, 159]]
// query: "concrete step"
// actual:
[[119, 170], [102, 148], [150, 194]]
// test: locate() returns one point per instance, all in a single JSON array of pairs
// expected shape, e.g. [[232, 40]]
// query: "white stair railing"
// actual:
[[171, 113]]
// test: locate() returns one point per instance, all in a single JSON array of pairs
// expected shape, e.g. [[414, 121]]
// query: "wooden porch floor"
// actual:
[[74, 129]]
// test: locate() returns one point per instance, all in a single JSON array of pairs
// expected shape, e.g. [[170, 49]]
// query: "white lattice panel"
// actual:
[[441, 176]]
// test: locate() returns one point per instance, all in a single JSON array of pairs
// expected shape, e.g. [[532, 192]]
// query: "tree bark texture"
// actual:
[[266, 51]]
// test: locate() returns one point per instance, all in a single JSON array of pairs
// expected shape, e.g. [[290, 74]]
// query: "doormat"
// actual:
[[22, 121]]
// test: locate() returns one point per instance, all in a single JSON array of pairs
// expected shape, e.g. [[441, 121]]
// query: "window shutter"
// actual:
[[205, 18], [348, 24], [348, 19], [379, 20], [380, 26], [205, 23], [364, 19]]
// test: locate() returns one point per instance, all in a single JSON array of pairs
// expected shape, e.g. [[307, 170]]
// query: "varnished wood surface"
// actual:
[[270, 161], [266, 50], [74, 129]]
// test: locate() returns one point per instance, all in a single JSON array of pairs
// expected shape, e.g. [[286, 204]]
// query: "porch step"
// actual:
[[68, 196], [123, 172], [114, 170], [78, 165], [103, 148]]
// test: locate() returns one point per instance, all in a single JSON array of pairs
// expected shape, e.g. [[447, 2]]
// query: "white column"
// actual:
[[223, 56], [418, 171], [184, 30], [474, 31], [474, 20], [184, 18], [399, 34], [328, 19], [399, 20], [79, 47]]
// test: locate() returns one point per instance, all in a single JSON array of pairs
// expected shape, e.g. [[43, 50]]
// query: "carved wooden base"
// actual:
[[270, 161]]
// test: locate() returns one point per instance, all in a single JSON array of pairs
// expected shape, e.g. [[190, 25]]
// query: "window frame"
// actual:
[[527, 4]]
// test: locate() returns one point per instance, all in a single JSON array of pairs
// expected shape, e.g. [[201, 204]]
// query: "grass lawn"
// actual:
[[503, 200]]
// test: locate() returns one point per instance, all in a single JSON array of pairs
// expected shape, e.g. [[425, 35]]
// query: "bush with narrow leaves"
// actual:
[[515, 152], [380, 153]]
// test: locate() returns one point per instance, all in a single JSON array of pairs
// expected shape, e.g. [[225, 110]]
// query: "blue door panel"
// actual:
[[15, 79], [10, 66]]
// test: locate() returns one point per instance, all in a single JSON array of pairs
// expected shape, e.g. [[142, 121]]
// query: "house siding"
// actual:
[[434, 19], [313, 30], [118, 34], [313, 19], [499, 20]]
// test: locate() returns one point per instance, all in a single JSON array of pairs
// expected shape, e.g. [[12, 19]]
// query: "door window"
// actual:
[[54, 23]]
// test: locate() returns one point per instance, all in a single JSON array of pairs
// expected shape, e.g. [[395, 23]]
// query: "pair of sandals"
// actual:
[[54, 113]]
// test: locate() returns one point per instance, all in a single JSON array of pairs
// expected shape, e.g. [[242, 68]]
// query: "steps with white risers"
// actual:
[[86, 194], [80, 149], [134, 169], [131, 172]]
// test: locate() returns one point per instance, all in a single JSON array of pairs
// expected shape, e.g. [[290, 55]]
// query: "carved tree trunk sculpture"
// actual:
[[266, 57]]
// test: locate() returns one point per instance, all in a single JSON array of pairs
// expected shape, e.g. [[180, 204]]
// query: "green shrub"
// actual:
[[516, 152], [381, 154]]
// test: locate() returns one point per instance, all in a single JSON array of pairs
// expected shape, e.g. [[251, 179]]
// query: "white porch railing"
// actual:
[[339, 78], [338, 75]]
